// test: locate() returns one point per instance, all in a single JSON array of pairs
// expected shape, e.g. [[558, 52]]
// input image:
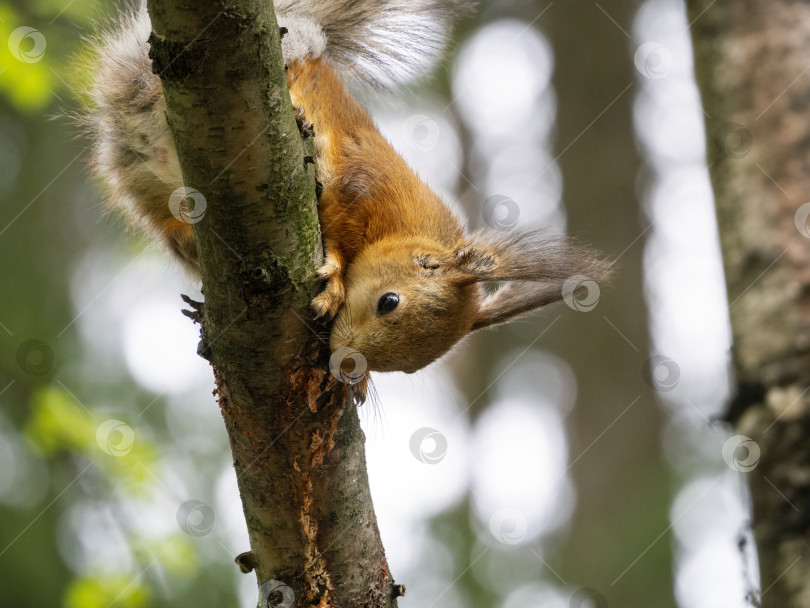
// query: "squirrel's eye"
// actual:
[[387, 303]]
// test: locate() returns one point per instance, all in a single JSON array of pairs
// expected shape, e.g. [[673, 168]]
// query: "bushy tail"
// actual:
[[370, 42], [132, 147], [377, 43]]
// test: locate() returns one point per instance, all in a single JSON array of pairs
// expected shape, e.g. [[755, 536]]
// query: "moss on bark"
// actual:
[[297, 447]]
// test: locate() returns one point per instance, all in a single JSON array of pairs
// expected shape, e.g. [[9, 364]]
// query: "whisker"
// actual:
[[376, 406], [350, 322]]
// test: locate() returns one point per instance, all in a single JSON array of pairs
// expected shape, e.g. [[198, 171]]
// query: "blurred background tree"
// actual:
[[751, 63], [568, 460]]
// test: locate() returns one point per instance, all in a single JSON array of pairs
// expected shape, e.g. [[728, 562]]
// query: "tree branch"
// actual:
[[751, 63], [297, 446]]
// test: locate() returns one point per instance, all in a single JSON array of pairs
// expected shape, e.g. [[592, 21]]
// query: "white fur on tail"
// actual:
[[374, 43]]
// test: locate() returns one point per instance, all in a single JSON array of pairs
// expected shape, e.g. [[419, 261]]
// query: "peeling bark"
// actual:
[[297, 445], [753, 69]]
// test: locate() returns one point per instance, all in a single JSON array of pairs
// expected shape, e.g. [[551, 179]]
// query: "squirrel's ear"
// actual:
[[475, 261], [514, 299], [527, 255], [533, 266]]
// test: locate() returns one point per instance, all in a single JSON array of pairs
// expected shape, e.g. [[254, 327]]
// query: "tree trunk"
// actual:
[[297, 446], [752, 66]]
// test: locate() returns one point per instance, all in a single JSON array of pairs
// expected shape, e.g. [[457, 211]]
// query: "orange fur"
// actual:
[[385, 231], [369, 192], [403, 281]]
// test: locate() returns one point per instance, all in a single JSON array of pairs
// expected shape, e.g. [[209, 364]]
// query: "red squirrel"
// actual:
[[402, 279]]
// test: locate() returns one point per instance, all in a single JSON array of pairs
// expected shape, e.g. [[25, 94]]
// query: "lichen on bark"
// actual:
[[297, 446]]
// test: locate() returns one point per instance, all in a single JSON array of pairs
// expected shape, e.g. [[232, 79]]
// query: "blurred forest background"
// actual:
[[570, 459]]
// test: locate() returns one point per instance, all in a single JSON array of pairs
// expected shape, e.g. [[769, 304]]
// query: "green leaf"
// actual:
[[106, 592]]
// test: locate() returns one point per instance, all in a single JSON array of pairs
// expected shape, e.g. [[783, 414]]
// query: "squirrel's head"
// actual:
[[409, 301]]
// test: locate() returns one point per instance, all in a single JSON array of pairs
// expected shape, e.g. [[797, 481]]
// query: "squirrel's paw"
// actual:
[[360, 390], [330, 268], [327, 303], [306, 128]]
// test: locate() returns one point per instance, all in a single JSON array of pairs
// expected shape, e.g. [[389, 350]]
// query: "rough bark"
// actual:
[[752, 66], [297, 446]]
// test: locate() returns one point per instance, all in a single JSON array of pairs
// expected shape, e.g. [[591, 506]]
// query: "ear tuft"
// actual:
[[474, 260], [538, 255], [536, 269]]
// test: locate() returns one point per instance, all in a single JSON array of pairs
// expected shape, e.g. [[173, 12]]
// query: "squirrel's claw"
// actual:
[[330, 269], [327, 303], [360, 391], [306, 128]]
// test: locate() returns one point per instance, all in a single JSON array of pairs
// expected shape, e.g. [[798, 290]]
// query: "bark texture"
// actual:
[[297, 446], [752, 65]]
